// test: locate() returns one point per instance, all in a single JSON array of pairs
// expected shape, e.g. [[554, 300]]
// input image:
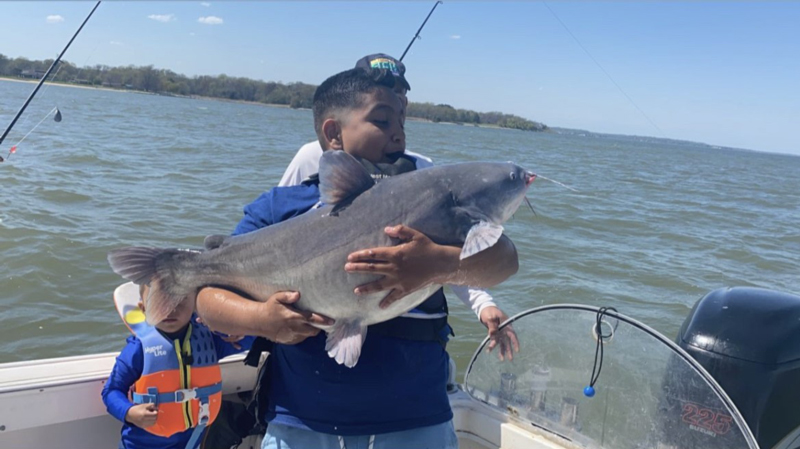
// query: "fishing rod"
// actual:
[[416, 36], [52, 66]]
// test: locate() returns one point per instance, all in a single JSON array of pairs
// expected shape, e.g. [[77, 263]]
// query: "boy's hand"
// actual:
[[407, 267], [492, 318], [286, 324], [275, 319], [142, 415]]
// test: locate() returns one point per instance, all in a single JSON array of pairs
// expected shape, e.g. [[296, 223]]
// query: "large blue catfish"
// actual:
[[460, 204]]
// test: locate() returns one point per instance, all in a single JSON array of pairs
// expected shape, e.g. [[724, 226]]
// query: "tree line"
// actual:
[[167, 82]]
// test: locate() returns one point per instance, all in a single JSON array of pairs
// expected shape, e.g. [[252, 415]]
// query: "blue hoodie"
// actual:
[[397, 385]]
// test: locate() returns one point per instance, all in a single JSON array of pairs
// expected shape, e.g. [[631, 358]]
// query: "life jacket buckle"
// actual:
[[203, 413], [185, 395]]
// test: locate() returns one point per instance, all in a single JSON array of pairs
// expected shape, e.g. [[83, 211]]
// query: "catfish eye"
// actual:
[[513, 176]]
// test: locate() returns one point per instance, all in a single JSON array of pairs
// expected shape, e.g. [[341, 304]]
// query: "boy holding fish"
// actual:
[[395, 397], [306, 163]]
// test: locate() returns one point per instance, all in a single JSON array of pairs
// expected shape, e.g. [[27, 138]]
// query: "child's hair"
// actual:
[[344, 92]]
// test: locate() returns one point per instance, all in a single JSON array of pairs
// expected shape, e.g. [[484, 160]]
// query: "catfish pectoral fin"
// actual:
[[480, 237]]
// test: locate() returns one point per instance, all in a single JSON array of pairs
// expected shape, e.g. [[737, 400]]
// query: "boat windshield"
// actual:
[[649, 393]]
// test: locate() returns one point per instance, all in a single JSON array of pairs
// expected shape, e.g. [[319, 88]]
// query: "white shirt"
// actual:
[[306, 163]]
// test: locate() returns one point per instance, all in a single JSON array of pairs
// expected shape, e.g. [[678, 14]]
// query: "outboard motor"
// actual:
[[748, 339]]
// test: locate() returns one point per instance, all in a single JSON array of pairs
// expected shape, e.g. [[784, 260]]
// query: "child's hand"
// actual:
[[142, 415], [232, 339], [275, 319], [492, 318]]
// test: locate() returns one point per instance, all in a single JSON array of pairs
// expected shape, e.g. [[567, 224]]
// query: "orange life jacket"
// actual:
[[182, 378]]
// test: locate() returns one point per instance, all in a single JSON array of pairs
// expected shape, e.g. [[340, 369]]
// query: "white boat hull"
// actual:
[[648, 393], [56, 403]]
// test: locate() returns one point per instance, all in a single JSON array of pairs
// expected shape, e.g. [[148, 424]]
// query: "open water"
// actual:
[[655, 223]]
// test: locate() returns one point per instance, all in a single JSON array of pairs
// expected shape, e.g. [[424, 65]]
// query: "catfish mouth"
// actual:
[[529, 178]]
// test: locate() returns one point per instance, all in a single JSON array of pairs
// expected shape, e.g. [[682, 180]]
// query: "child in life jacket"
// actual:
[[166, 385]]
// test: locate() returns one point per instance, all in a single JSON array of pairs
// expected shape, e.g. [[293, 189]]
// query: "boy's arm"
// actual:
[[476, 299], [418, 262], [127, 370], [275, 319], [482, 303]]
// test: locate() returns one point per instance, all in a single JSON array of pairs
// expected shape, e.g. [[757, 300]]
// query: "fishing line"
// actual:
[[53, 78], [603, 70], [57, 119], [57, 111], [626, 203], [44, 78], [417, 36], [556, 182], [25, 119]]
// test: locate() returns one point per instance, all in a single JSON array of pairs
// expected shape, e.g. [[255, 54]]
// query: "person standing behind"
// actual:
[[306, 162]]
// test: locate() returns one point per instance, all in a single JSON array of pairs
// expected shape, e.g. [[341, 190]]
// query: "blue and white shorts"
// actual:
[[440, 436]]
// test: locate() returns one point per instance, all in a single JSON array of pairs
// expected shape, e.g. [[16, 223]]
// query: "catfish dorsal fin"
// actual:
[[341, 177], [214, 241]]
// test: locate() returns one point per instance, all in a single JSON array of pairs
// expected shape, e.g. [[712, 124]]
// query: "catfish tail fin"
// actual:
[[156, 267]]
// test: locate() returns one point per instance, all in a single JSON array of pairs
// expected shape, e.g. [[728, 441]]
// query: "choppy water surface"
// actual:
[[655, 224]]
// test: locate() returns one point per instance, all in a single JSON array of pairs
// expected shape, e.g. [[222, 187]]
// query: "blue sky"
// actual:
[[723, 73]]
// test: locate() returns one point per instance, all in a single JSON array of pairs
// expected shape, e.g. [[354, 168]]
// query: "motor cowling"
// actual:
[[748, 339]]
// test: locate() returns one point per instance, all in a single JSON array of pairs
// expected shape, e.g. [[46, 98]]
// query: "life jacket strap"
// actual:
[[202, 421], [154, 397]]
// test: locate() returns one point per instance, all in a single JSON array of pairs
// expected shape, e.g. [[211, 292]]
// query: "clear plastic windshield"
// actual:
[[649, 393]]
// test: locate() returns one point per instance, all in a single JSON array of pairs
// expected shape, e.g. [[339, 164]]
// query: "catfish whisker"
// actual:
[[530, 205]]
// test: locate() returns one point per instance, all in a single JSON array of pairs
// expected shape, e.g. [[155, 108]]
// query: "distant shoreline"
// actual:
[[79, 86], [295, 95], [197, 97], [140, 92], [469, 125]]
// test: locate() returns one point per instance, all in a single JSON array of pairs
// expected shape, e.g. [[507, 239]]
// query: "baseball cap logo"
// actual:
[[383, 63]]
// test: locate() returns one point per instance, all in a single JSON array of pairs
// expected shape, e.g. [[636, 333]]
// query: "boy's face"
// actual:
[[178, 318], [375, 130], [402, 95]]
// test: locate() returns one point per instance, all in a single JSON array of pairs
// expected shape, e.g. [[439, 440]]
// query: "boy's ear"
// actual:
[[332, 134]]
